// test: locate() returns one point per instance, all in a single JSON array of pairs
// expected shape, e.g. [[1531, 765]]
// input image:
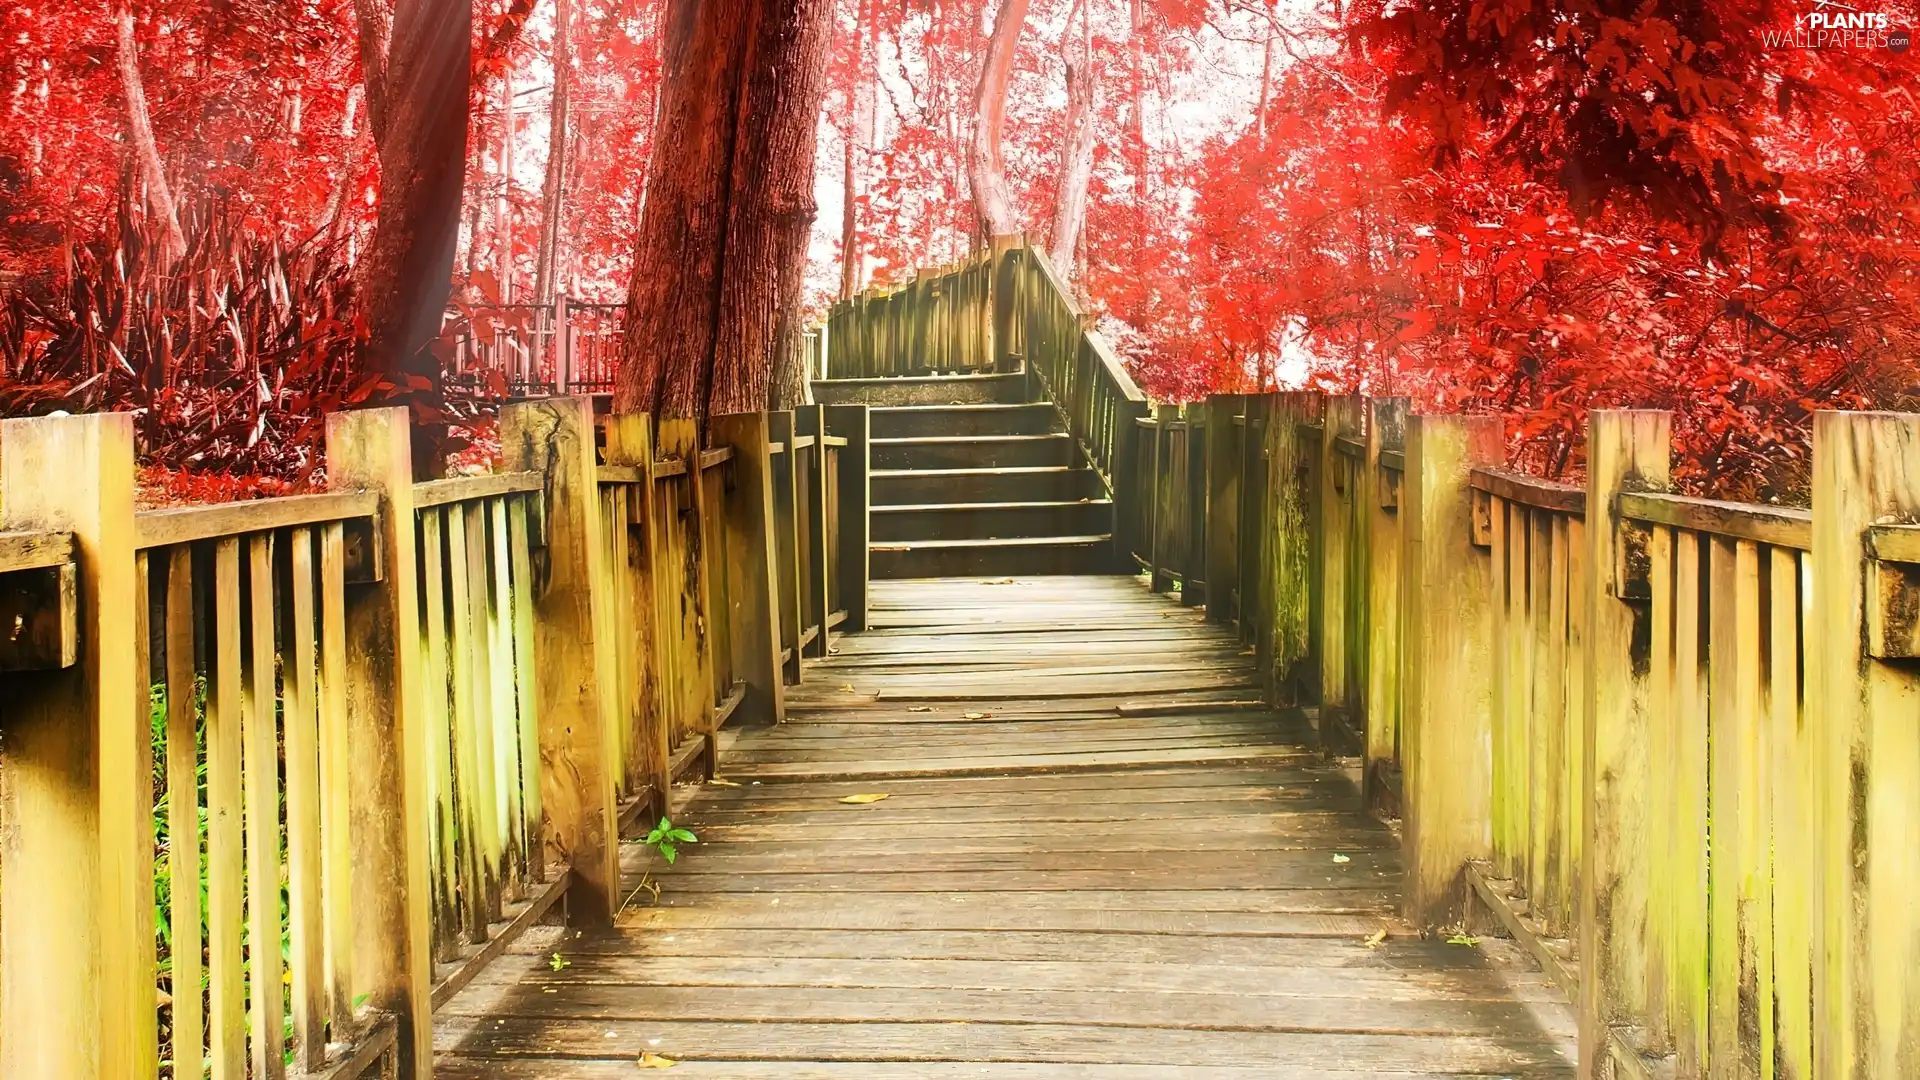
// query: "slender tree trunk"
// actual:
[[992, 201], [408, 270], [336, 222], [1076, 150], [1266, 87], [1136, 148], [146, 151], [673, 297], [849, 211], [503, 199], [553, 192]]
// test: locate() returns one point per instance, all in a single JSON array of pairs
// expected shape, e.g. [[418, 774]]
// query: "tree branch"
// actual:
[[146, 152]]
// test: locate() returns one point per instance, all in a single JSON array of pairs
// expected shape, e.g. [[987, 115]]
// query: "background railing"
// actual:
[[426, 710], [531, 350], [942, 321], [1667, 743]]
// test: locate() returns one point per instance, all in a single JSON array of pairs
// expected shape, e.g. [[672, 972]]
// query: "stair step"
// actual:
[[999, 557], [924, 390], [972, 451], [983, 521], [909, 421], [1048, 483]]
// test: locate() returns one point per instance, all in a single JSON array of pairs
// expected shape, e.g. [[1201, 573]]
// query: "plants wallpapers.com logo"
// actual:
[[1834, 25]]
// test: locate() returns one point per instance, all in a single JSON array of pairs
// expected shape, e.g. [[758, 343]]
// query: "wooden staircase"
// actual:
[[970, 478]]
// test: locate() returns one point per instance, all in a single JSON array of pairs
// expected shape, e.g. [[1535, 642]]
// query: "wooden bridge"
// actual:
[[1387, 761]]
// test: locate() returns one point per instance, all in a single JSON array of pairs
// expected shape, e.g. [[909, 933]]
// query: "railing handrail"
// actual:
[[1779, 526]]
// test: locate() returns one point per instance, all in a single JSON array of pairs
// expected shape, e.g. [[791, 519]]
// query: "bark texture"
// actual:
[[719, 258], [146, 152], [756, 361], [1076, 152], [423, 145], [986, 165]]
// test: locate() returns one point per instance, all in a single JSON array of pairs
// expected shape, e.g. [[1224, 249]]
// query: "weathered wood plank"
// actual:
[[186, 524]]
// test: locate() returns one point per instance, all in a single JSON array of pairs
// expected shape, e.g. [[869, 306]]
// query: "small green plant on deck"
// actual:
[[666, 839]]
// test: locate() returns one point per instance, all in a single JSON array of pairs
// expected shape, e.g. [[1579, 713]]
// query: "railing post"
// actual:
[[562, 347], [1627, 450], [390, 815], [1160, 500], [1223, 466], [1862, 692], [1341, 628], [78, 997], [1129, 486], [754, 581], [1448, 664], [855, 424], [1387, 431], [555, 437], [812, 420], [787, 543]]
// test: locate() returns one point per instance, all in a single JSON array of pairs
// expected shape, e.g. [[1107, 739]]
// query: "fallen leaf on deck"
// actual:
[[977, 715], [558, 962], [847, 688], [919, 708], [1373, 941], [1248, 651], [717, 782], [651, 1060], [1002, 581], [1462, 939], [865, 797], [1341, 859]]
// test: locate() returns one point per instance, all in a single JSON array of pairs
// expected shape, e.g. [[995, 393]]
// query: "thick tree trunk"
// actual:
[[503, 200], [723, 232], [553, 192], [408, 271], [146, 152], [1076, 152], [673, 298], [987, 166], [770, 212]]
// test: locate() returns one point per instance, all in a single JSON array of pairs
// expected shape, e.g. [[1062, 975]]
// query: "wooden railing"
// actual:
[[941, 321], [1004, 311], [568, 346], [1667, 743], [424, 710]]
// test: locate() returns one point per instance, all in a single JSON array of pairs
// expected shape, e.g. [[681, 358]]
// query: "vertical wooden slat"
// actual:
[[480, 652], [749, 516], [226, 711], [439, 721], [853, 423], [811, 419], [305, 915], [1550, 730], [1791, 796], [630, 442], [336, 786], [1386, 430], [1501, 691], [126, 820], [1662, 789], [1686, 869], [1578, 700], [265, 989], [520, 556], [1731, 629], [506, 734], [475, 911], [1542, 719], [183, 815]]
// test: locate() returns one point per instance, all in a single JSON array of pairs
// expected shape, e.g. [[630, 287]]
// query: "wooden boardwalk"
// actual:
[[1098, 858]]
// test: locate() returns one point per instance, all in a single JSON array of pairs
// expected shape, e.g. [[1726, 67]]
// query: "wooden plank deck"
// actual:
[[1099, 858]]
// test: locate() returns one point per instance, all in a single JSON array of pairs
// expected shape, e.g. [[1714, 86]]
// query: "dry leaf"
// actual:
[[865, 797], [1341, 859], [651, 1060], [847, 688], [717, 782], [977, 715], [1374, 940], [1002, 581], [919, 708]]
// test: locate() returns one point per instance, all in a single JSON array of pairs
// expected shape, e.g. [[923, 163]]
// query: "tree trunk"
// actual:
[[336, 222], [723, 231], [553, 192], [673, 297], [146, 152], [1076, 151], [771, 210], [1266, 87], [992, 202], [408, 271], [503, 200], [849, 212]]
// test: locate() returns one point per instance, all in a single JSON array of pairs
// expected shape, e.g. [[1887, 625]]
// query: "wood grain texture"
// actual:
[[1058, 889]]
